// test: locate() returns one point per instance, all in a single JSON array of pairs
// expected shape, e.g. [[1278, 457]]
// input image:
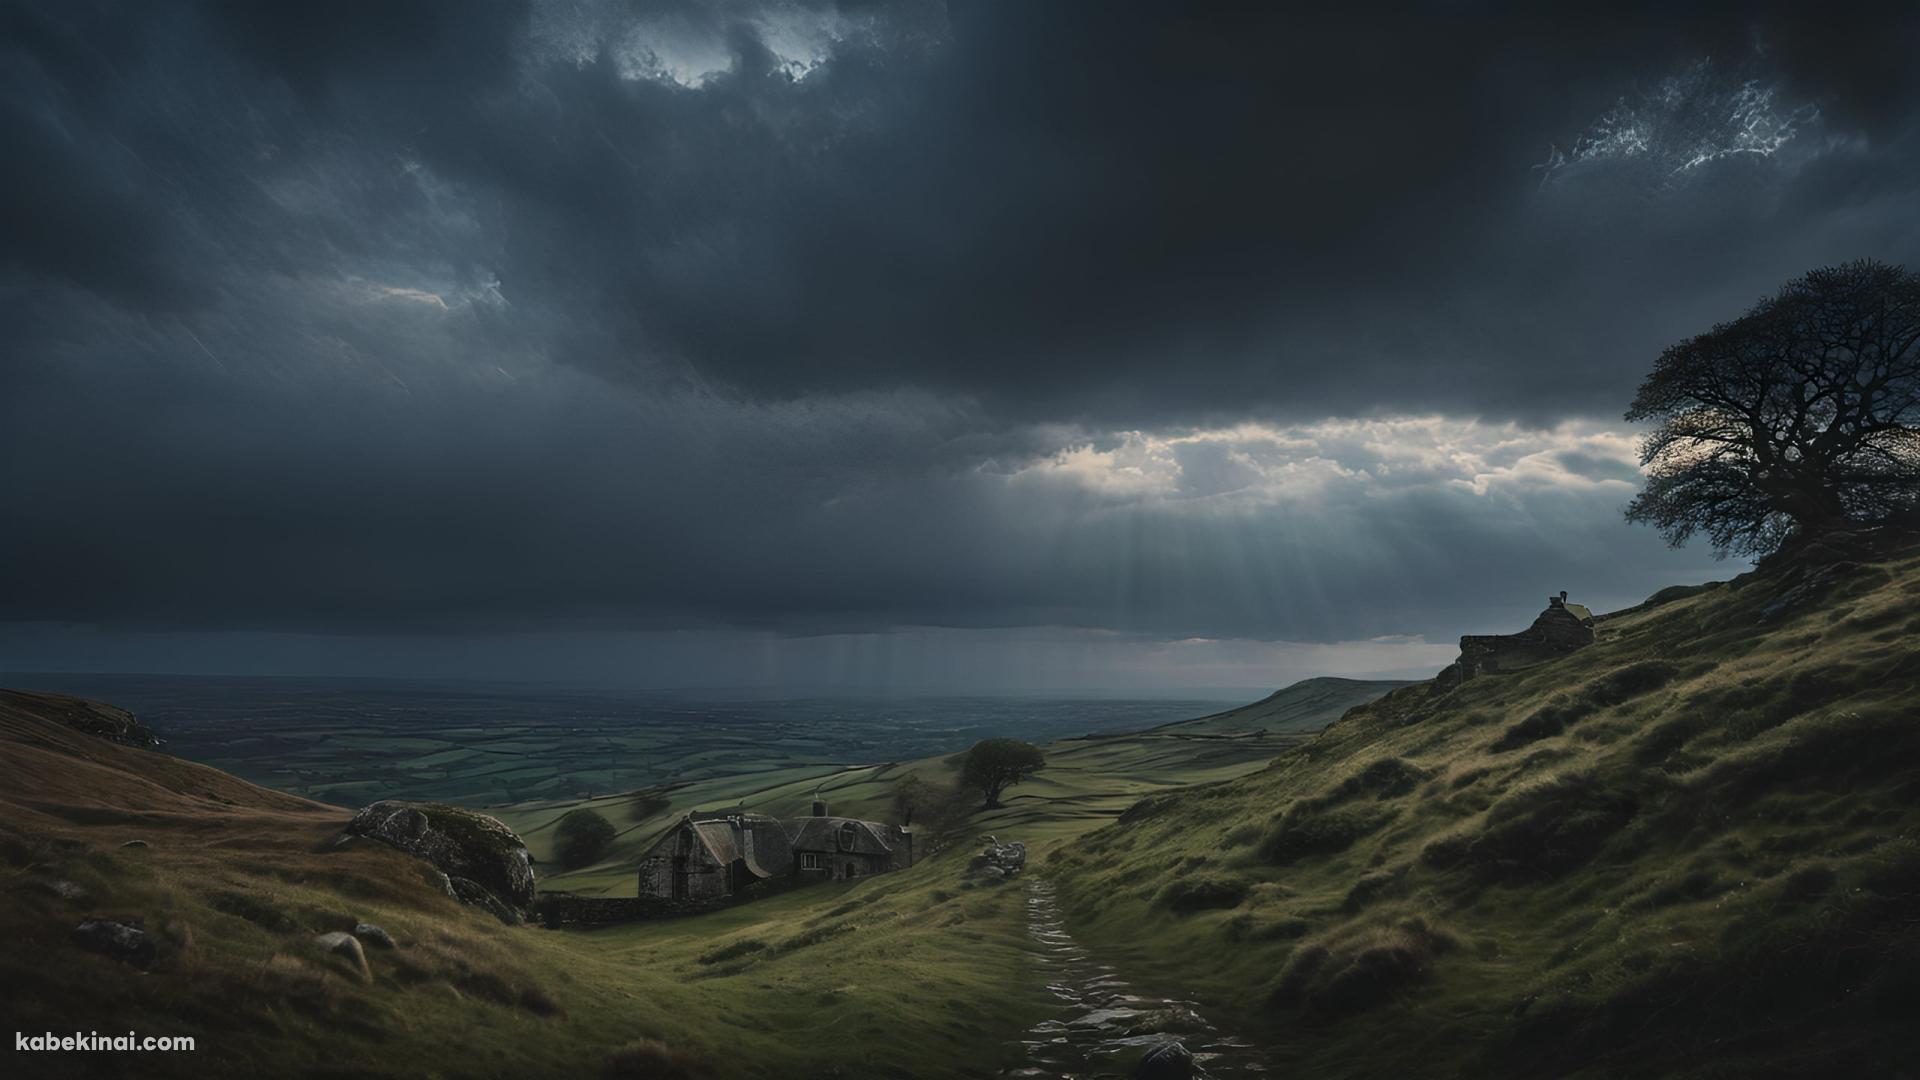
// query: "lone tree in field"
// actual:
[[993, 765], [1794, 419], [581, 838]]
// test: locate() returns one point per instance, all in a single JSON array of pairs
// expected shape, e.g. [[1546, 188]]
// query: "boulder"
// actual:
[[347, 945], [373, 935], [469, 891], [1167, 1061], [1000, 860], [127, 944], [462, 844]]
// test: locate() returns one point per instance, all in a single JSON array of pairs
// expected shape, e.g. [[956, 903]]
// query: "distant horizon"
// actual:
[[21, 680]]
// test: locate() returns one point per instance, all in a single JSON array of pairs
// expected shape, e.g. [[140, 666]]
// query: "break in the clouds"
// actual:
[[1170, 335]]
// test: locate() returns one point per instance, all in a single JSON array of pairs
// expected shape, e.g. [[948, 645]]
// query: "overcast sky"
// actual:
[[912, 344]]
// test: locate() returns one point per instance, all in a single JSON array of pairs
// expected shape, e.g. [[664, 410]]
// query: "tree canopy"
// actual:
[[581, 837], [1796, 418], [993, 765]]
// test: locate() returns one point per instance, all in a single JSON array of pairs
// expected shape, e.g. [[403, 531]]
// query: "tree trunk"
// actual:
[[1813, 505]]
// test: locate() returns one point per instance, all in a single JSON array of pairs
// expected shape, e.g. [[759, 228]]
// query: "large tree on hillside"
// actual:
[[1797, 417], [995, 764]]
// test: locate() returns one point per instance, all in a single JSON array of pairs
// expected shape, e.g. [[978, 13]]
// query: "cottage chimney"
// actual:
[[819, 808], [1563, 596]]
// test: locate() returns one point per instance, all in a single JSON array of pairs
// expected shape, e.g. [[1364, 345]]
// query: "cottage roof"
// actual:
[[769, 850], [721, 837], [1578, 611], [833, 834], [755, 839]]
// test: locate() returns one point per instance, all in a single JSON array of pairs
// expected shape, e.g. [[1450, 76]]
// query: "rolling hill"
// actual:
[[1089, 780], [1690, 849], [1306, 706], [232, 882]]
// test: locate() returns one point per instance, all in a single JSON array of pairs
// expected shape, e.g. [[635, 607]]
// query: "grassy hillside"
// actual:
[[1690, 849], [1306, 706], [920, 973], [916, 974]]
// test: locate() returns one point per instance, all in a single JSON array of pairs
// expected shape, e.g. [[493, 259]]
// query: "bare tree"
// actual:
[[1796, 418]]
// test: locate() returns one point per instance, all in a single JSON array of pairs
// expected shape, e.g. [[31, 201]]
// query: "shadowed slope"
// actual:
[[1691, 849]]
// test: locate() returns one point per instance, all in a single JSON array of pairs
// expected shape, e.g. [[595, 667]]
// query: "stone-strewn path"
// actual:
[[1103, 1028]]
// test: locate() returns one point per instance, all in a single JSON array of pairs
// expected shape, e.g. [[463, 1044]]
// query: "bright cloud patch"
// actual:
[[1257, 465]]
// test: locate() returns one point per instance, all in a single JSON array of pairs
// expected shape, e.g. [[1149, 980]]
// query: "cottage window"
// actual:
[[810, 860], [848, 835]]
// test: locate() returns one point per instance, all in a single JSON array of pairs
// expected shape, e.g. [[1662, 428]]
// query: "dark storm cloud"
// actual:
[[834, 316], [1061, 209], [1053, 207]]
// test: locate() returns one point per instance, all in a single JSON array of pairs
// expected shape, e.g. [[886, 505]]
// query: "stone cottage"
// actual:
[[720, 856], [1562, 628]]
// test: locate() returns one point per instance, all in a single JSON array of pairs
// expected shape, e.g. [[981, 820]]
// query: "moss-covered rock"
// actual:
[[463, 844]]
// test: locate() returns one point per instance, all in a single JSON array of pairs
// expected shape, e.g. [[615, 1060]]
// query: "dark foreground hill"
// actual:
[[230, 883], [1691, 849]]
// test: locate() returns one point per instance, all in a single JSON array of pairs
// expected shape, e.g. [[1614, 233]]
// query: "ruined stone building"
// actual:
[[1559, 630], [718, 856]]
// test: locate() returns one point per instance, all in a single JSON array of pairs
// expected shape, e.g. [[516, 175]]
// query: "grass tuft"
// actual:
[[1188, 895], [1299, 835]]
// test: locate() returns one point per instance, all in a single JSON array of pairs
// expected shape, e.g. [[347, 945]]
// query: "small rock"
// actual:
[[373, 935], [124, 943], [348, 946], [62, 888], [1168, 1061], [1162, 1021], [136, 844]]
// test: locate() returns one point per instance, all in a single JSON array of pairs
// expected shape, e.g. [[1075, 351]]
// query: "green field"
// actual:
[[1088, 782]]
